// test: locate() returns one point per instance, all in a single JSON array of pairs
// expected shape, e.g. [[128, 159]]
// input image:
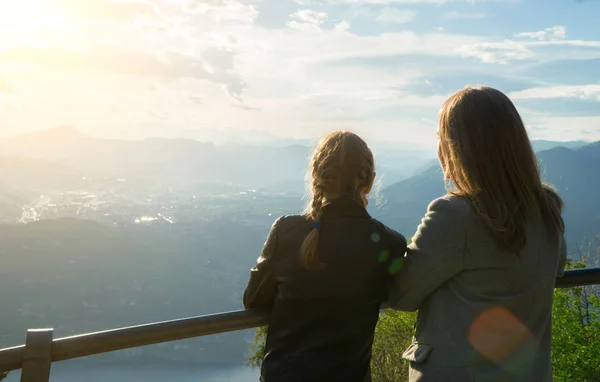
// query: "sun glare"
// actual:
[[29, 21]]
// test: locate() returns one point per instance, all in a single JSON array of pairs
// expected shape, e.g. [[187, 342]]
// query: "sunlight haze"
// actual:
[[202, 69]]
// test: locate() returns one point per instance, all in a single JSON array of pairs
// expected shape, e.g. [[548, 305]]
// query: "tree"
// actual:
[[257, 348], [3, 376], [576, 325]]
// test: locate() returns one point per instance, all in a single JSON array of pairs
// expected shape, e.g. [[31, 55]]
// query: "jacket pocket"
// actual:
[[417, 352]]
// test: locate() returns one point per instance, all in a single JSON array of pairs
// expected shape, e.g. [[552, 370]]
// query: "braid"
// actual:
[[341, 166], [308, 251], [316, 205]]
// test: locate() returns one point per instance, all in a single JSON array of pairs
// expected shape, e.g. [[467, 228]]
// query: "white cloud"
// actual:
[[396, 16], [316, 75], [558, 32], [211, 65], [307, 20], [562, 128], [464, 15], [222, 10], [500, 53], [584, 92], [386, 2], [110, 10], [342, 26], [310, 16], [509, 51]]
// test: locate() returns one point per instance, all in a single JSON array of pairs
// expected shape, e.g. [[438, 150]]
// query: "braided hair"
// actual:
[[342, 165]]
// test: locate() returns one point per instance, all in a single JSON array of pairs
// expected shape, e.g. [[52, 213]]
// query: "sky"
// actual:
[[297, 69]]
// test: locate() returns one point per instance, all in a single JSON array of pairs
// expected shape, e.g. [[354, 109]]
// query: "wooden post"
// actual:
[[37, 358]]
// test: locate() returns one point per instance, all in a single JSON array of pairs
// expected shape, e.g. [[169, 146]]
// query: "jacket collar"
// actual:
[[345, 206]]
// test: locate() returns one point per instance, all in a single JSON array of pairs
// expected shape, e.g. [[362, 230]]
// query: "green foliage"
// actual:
[[576, 332], [257, 348], [393, 335], [3, 376]]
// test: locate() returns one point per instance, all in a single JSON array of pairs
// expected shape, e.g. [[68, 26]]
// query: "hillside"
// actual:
[[574, 172], [11, 202], [126, 276]]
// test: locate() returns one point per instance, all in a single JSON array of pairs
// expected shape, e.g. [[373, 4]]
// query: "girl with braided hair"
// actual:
[[324, 275]]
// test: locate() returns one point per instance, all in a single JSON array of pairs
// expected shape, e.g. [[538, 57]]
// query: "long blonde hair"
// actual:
[[342, 165], [486, 153]]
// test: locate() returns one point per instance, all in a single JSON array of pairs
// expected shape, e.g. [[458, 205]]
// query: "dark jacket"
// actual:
[[322, 323]]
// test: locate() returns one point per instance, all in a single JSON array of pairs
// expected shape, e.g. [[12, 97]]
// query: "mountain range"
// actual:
[[63, 159], [65, 155], [575, 172]]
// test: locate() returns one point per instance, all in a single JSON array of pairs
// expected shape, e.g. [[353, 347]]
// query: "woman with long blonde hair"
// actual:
[[482, 265], [323, 275]]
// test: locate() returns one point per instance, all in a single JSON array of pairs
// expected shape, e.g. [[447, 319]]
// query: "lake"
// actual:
[[73, 372]]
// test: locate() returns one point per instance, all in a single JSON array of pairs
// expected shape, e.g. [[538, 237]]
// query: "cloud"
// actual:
[[245, 107], [222, 11], [560, 128], [342, 26], [386, 2], [307, 19], [583, 92], [317, 73], [218, 59], [558, 32], [105, 10], [396, 16], [506, 51], [464, 15], [198, 100], [499, 53], [212, 65]]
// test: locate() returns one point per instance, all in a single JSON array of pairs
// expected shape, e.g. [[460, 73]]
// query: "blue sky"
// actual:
[[294, 68]]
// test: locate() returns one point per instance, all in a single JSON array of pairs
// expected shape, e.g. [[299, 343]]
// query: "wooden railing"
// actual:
[[41, 349]]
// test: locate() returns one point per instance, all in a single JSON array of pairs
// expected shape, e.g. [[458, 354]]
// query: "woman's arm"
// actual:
[[392, 260], [434, 255], [261, 289]]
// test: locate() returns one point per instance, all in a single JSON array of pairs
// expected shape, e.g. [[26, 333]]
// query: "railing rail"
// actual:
[[130, 337]]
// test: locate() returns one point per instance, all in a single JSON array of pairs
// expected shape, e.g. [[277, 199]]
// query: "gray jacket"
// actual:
[[484, 314]]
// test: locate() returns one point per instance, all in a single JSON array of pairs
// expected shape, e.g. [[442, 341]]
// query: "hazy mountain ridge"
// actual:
[[64, 155], [574, 172], [543, 145], [179, 162]]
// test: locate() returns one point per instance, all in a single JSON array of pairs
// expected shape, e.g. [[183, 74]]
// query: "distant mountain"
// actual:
[[64, 154], [576, 175], [171, 163], [574, 172], [542, 145], [403, 204]]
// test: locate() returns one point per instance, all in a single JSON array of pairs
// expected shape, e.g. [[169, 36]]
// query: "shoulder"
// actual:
[[286, 223], [391, 234], [451, 206]]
